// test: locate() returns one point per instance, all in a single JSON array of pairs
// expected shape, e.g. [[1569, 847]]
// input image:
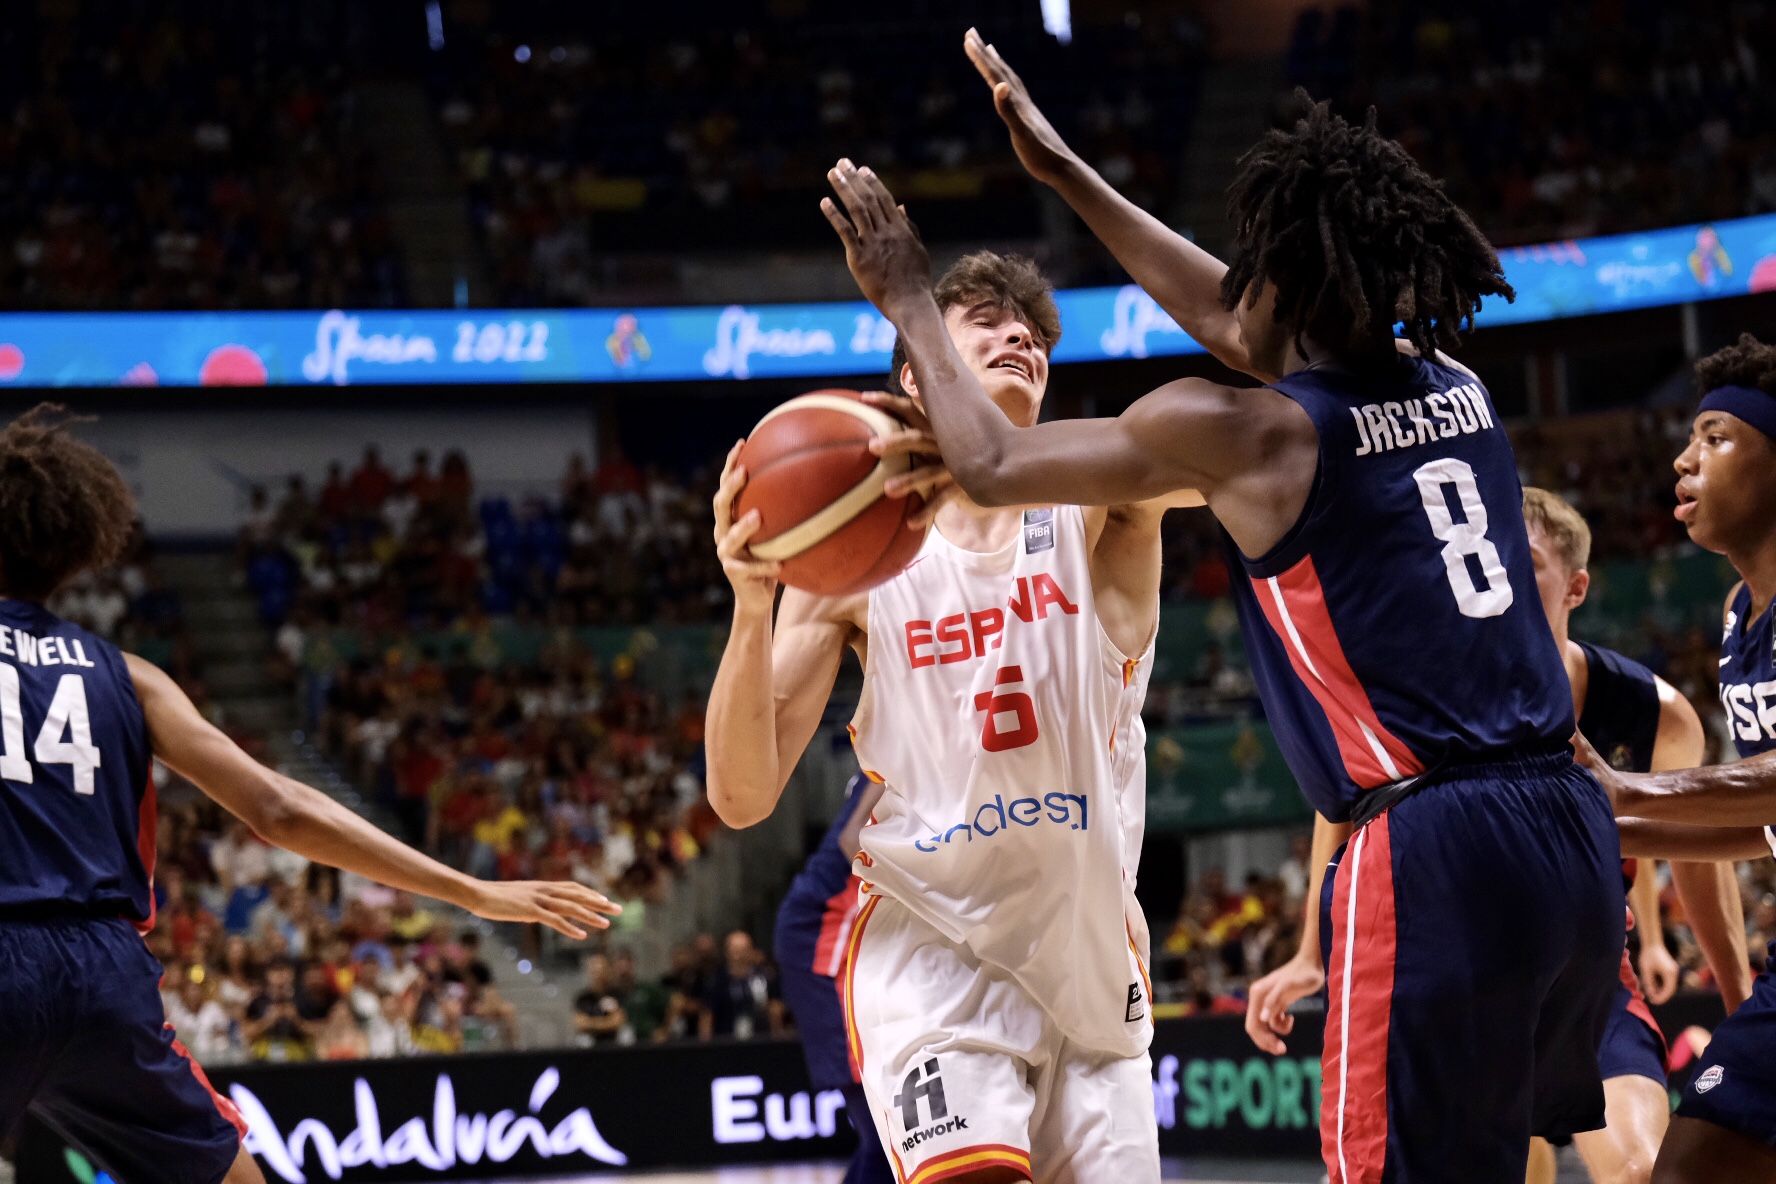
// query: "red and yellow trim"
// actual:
[[851, 731], [963, 1160], [853, 1040]]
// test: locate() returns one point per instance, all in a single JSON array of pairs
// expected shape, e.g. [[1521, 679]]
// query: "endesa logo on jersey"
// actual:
[[1055, 808], [974, 633]]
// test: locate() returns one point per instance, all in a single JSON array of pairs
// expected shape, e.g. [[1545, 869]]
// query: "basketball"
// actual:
[[818, 490]]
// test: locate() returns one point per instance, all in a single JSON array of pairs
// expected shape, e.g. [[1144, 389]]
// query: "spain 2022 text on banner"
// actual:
[[1581, 277]]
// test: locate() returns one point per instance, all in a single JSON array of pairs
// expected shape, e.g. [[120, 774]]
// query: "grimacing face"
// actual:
[[1726, 486], [1003, 352]]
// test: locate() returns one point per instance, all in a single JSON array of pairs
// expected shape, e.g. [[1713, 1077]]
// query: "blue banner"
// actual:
[[1553, 280]]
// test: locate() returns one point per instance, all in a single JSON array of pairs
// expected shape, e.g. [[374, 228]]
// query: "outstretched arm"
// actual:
[[1647, 838], [1735, 795], [308, 822], [1189, 434], [1182, 278]]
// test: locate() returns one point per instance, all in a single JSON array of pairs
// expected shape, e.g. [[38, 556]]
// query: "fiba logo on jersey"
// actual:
[[1039, 531]]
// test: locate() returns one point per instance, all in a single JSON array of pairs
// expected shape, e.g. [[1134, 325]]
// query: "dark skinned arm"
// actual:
[[1721, 796], [1647, 838], [1709, 891], [1736, 795], [1182, 278]]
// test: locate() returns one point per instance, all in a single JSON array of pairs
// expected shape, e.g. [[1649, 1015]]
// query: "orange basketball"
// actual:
[[818, 490]]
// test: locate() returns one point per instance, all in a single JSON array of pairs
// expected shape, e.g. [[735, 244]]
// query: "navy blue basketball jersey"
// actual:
[[76, 798], [1396, 627], [817, 911], [1621, 712], [1748, 674]]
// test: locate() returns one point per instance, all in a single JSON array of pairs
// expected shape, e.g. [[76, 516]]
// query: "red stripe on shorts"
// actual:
[[1360, 987], [224, 1107]]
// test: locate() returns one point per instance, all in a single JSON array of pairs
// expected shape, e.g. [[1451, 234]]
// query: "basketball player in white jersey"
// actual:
[[995, 987]]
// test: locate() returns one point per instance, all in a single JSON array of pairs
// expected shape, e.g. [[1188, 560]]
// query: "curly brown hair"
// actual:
[[1010, 281], [64, 508], [1747, 362]]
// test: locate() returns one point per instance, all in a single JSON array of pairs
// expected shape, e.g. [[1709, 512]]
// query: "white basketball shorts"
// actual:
[[963, 1070]]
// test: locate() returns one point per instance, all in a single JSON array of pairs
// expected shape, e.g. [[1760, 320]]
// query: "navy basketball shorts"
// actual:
[[1473, 935], [88, 1051], [1633, 1043], [1735, 1082], [813, 999]]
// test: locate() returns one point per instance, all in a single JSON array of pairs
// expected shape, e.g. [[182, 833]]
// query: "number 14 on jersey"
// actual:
[[67, 717]]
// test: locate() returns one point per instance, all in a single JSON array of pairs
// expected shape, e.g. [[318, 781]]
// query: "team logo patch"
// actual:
[[925, 1084], [1039, 532], [1710, 1078], [1137, 1006]]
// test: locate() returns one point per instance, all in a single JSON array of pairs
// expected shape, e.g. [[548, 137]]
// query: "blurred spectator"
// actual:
[[644, 1004], [598, 1016], [202, 1023], [741, 998], [275, 1028]]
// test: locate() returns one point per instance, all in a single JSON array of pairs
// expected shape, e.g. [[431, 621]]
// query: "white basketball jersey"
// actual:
[[1007, 730]]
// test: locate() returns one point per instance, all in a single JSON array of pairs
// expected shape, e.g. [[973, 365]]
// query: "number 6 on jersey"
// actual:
[[999, 702]]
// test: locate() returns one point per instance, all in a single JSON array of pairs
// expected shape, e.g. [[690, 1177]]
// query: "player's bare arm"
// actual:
[[1124, 542], [1251, 453], [1182, 278], [1708, 891], [304, 820], [775, 677], [1720, 797], [1268, 1002]]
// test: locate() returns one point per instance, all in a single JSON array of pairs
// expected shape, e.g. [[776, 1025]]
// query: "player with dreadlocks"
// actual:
[[1370, 497]]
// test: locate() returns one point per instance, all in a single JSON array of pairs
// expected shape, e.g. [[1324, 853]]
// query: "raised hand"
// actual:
[[1040, 149], [754, 580], [931, 481], [882, 247], [564, 906]]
